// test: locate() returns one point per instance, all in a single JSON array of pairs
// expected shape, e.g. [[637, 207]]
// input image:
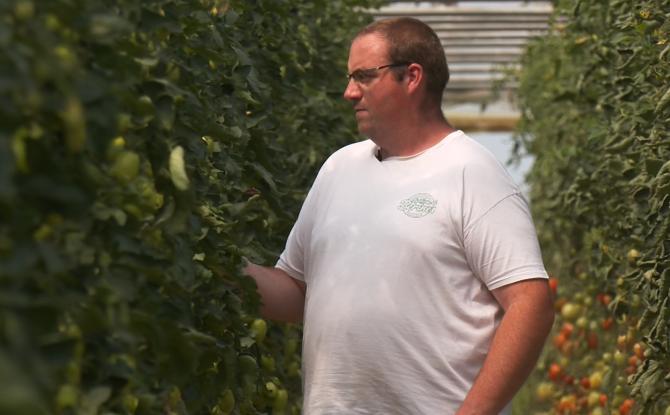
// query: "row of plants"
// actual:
[[595, 102], [145, 149]]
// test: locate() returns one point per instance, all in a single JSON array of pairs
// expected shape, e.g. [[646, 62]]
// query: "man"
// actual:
[[414, 259]]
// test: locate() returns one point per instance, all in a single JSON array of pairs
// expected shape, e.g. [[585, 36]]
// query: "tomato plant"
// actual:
[[145, 149], [594, 100]]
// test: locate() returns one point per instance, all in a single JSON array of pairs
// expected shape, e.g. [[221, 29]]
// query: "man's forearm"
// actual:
[[282, 296], [514, 351]]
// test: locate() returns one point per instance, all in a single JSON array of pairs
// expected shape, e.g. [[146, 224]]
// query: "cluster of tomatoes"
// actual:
[[591, 356]]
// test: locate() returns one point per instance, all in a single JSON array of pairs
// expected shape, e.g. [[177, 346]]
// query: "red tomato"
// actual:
[[567, 404], [626, 406], [638, 349], [604, 299], [555, 371], [567, 329], [559, 340], [585, 382], [602, 400], [607, 323]]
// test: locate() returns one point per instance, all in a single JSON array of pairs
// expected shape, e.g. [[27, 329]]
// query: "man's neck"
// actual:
[[416, 138]]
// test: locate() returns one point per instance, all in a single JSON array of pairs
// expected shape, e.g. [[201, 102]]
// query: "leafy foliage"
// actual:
[[595, 102], [145, 148]]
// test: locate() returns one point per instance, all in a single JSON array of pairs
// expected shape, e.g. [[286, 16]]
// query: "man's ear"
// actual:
[[414, 77]]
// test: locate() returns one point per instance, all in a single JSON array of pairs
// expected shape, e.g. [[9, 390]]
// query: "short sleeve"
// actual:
[[293, 260], [502, 246]]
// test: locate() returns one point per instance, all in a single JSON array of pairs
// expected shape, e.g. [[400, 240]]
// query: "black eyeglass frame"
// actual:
[[359, 75]]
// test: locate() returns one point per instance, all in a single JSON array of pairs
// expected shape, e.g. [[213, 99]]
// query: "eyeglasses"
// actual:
[[362, 76]]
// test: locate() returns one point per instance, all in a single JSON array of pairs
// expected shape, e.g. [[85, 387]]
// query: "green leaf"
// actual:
[[265, 175], [165, 113], [107, 28], [119, 253], [93, 399], [663, 102], [103, 212]]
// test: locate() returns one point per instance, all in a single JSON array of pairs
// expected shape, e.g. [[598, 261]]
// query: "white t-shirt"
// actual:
[[399, 257]]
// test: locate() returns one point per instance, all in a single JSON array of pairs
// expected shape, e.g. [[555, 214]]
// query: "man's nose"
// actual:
[[353, 91]]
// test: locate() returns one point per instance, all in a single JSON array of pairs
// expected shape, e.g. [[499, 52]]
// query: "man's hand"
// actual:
[[283, 296], [517, 344]]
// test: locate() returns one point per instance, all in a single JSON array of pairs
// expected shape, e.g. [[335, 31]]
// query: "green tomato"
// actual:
[[570, 311], [226, 403], [248, 365], [619, 358], [148, 194], [43, 232], [115, 147], [291, 346], [173, 72], [73, 372], [635, 301], [130, 402], [75, 125], [582, 322], [544, 391], [124, 121], [66, 57], [293, 369], [648, 275], [51, 22], [67, 397], [177, 169], [126, 166], [134, 210], [145, 105], [593, 399], [20, 151], [268, 363], [596, 379], [174, 397], [633, 255], [24, 9], [259, 329], [153, 200], [272, 389], [280, 401]]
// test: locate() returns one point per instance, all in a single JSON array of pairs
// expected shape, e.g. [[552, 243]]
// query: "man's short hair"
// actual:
[[411, 40]]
